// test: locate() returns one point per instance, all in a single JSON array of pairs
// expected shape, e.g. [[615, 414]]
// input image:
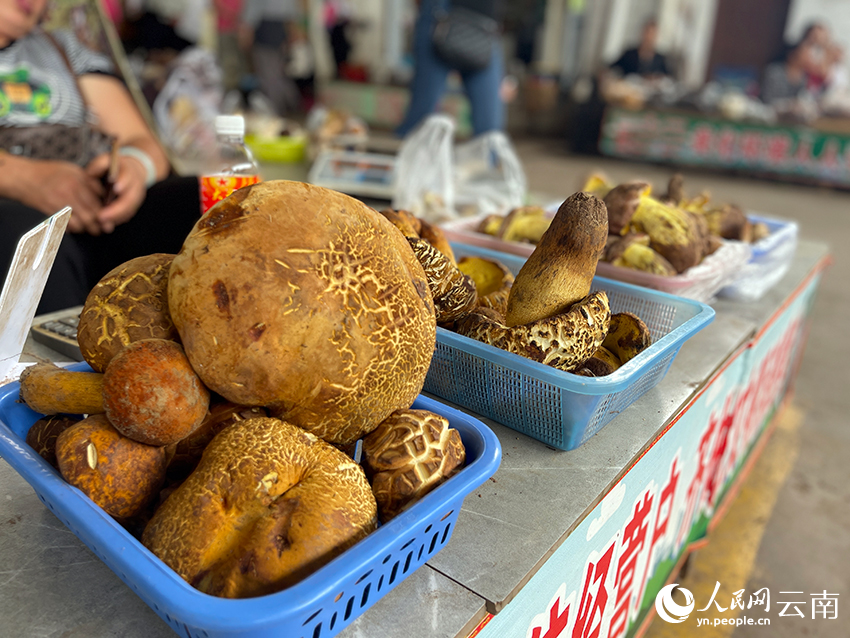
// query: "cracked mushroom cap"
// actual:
[[306, 301], [563, 341], [128, 304], [408, 455], [268, 505]]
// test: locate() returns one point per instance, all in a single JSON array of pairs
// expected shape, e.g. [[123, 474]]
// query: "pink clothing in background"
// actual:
[[228, 15], [113, 10]]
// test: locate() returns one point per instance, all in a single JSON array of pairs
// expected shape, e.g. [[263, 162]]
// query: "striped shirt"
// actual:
[[35, 86]]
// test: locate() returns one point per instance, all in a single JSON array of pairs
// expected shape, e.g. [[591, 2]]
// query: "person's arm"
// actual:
[[142, 160]]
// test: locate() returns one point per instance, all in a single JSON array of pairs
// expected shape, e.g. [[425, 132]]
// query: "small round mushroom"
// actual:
[[129, 304], [120, 475], [151, 393]]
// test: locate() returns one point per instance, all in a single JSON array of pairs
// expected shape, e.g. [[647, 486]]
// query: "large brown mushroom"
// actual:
[[306, 301]]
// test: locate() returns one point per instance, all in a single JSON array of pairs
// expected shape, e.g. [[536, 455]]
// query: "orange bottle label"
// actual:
[[215, 188]]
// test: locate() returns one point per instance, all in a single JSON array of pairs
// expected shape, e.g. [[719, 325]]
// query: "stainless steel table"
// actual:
[[52, 586]]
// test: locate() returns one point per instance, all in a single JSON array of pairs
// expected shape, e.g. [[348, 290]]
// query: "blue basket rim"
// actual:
[[703, 315], [158, 584]]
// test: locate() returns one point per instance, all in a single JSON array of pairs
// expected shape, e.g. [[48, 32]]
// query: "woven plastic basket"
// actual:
[[559, 408], [322, 604]]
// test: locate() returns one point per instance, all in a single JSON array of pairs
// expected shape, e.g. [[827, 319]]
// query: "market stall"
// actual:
[[555, 540], [816, 153]]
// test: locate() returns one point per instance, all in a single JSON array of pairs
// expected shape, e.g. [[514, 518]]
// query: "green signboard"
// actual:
[[694, 140]]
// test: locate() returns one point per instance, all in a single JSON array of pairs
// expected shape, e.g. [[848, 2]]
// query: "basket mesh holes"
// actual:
[[659, 318], [312, 618], [380, 583], [333, 622], [407, 563], [419, 555], [446, 533], [365, 597], [363, 577], [600, 417], [387, 559], [444, 518], [428, 529], [433, 542], [339, 596], [393, 573], [169, 619], [156, 607], [349, 608], [408, 544], [317, 631]]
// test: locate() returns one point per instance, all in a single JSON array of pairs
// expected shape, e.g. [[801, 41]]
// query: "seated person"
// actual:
[[54, 80], [786, 80], [643, 60]]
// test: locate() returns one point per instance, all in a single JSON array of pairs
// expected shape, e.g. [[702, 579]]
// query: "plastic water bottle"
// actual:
[[232, 166]]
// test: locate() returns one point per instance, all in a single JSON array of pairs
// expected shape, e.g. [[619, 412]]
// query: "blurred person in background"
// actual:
[[818, 56], [267, 30], [643, 59], [482, 87], [787, 79], [52, 84], [337, 17], [231, 58]]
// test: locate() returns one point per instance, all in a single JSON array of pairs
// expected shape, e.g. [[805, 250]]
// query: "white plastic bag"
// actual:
[[771, 259], [439, 182], [424, 182], [489, 178], [186, 107]]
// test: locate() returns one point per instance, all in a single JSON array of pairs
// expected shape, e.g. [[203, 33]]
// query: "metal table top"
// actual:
[[51, 585]]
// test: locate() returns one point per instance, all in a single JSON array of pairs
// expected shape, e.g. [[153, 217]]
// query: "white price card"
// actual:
[[24, 285]]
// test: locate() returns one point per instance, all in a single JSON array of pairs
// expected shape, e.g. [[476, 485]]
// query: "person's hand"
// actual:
[[49, 186], [128, 190]]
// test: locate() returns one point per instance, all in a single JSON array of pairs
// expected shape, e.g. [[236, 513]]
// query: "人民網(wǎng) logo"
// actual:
[[671, 611]]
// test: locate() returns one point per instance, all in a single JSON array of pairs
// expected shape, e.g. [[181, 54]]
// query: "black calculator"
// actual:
[[59, 334]]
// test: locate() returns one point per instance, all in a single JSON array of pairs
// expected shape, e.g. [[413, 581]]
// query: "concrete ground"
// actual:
[[791, 531]]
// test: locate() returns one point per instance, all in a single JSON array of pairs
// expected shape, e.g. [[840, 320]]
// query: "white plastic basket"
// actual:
[[770, 260]]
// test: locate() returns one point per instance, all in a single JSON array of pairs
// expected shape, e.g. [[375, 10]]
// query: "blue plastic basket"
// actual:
[[322, 604], [559, 408]]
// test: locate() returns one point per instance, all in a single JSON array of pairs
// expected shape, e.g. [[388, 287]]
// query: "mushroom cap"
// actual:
[[128, 304], [306, 301], [408, 455], [268, 505]]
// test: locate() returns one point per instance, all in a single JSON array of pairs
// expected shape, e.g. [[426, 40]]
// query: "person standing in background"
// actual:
[[430, 72], [267, 29], [231, 58]]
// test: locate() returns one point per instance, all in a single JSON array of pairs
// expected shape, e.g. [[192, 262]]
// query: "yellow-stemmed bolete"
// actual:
[[560, 270], [493, 281]]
